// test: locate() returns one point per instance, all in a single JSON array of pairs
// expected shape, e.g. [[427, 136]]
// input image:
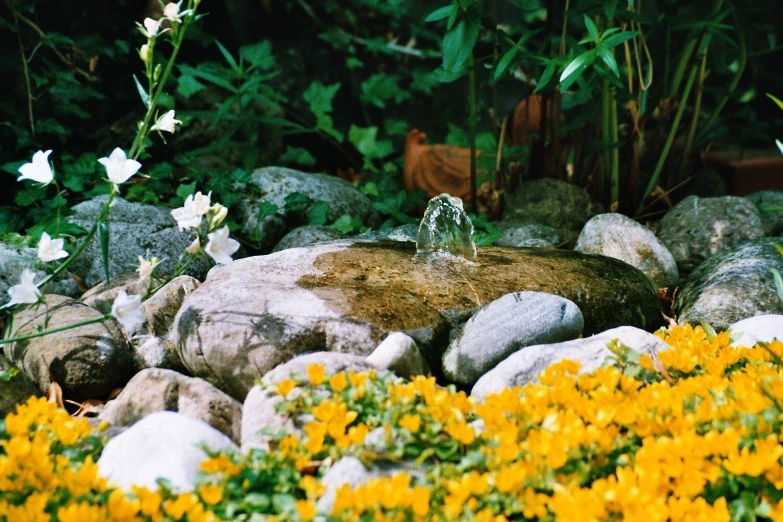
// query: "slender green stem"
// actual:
[[670, 139], [682, 65], [472, 125], [55, 330], [700, 76], [178, 272], [138, 143]]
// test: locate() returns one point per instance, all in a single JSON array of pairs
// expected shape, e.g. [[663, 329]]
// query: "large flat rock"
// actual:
[[347, 296]]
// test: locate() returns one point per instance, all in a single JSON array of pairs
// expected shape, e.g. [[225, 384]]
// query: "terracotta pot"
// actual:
[[748, 170]]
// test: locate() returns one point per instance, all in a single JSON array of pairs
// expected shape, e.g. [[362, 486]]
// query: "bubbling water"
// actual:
[[446, 229]]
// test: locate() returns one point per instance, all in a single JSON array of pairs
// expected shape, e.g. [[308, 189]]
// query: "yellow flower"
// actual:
[[306, 509], [411, 423], [285, 386], [315, 373], [338, 382], [177, 508], [211, 494]]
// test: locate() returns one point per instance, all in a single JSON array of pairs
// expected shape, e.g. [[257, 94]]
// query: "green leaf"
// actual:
[[103, 240], [266, 209], [617, 39], [28, 196], [187, 86], [546, 77], [347, 224], [575, 69], [591, 28], [505, 61], [320, 97], [318, 213], [145, 98], [776, 100], [381, 88], [184, 191], [458, 43], [364, 139], [778, 283], [257, 502], [297, 155], [227, 55], [296, 202], [440, 14], [259, 55], [608, 58]]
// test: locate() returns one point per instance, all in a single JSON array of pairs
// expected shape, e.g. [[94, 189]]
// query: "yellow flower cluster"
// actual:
[[694, 435], [43, 477]]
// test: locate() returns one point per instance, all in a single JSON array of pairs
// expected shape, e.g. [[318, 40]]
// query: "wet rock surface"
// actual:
[[347, 296]]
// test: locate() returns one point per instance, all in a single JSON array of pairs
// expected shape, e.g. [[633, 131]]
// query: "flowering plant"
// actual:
[[693, 436], [121, 167]]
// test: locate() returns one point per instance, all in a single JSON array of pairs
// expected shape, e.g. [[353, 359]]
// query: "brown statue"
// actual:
[[436, 168]]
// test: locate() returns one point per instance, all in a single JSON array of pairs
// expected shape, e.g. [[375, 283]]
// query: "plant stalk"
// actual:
[[670, 139], [701, 75], [472, 126], [55, 330]]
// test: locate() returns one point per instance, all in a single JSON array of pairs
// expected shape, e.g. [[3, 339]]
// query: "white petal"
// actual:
[[126, 309], [25, 292], [221, 247]]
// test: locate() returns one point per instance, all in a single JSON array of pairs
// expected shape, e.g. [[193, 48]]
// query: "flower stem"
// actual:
[[138, 143], [55, 330]]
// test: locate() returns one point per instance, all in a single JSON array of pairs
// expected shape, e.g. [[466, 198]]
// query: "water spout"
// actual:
[[446, 228]]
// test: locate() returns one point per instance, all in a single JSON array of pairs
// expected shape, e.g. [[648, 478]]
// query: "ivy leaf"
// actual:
[[296, 202], [320, 97], [259, 55], [347, 224], [318, 213], [266, 209], [365, 141], [381, 88], [184, 190], [297, 155]]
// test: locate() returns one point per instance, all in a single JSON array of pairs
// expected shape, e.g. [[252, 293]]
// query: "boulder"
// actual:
[[400, 354], [156, 389], [135, 229], [758, 329], [87, 361], [696, 228], [347, 296], [516, 234], [554, 203], [163, 445], [306, 236], [259, 411], [734, 284], [620, 237], [15, 387], [770, 206], [273, 184], [528, 363], [506, 325], [149, 351]]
